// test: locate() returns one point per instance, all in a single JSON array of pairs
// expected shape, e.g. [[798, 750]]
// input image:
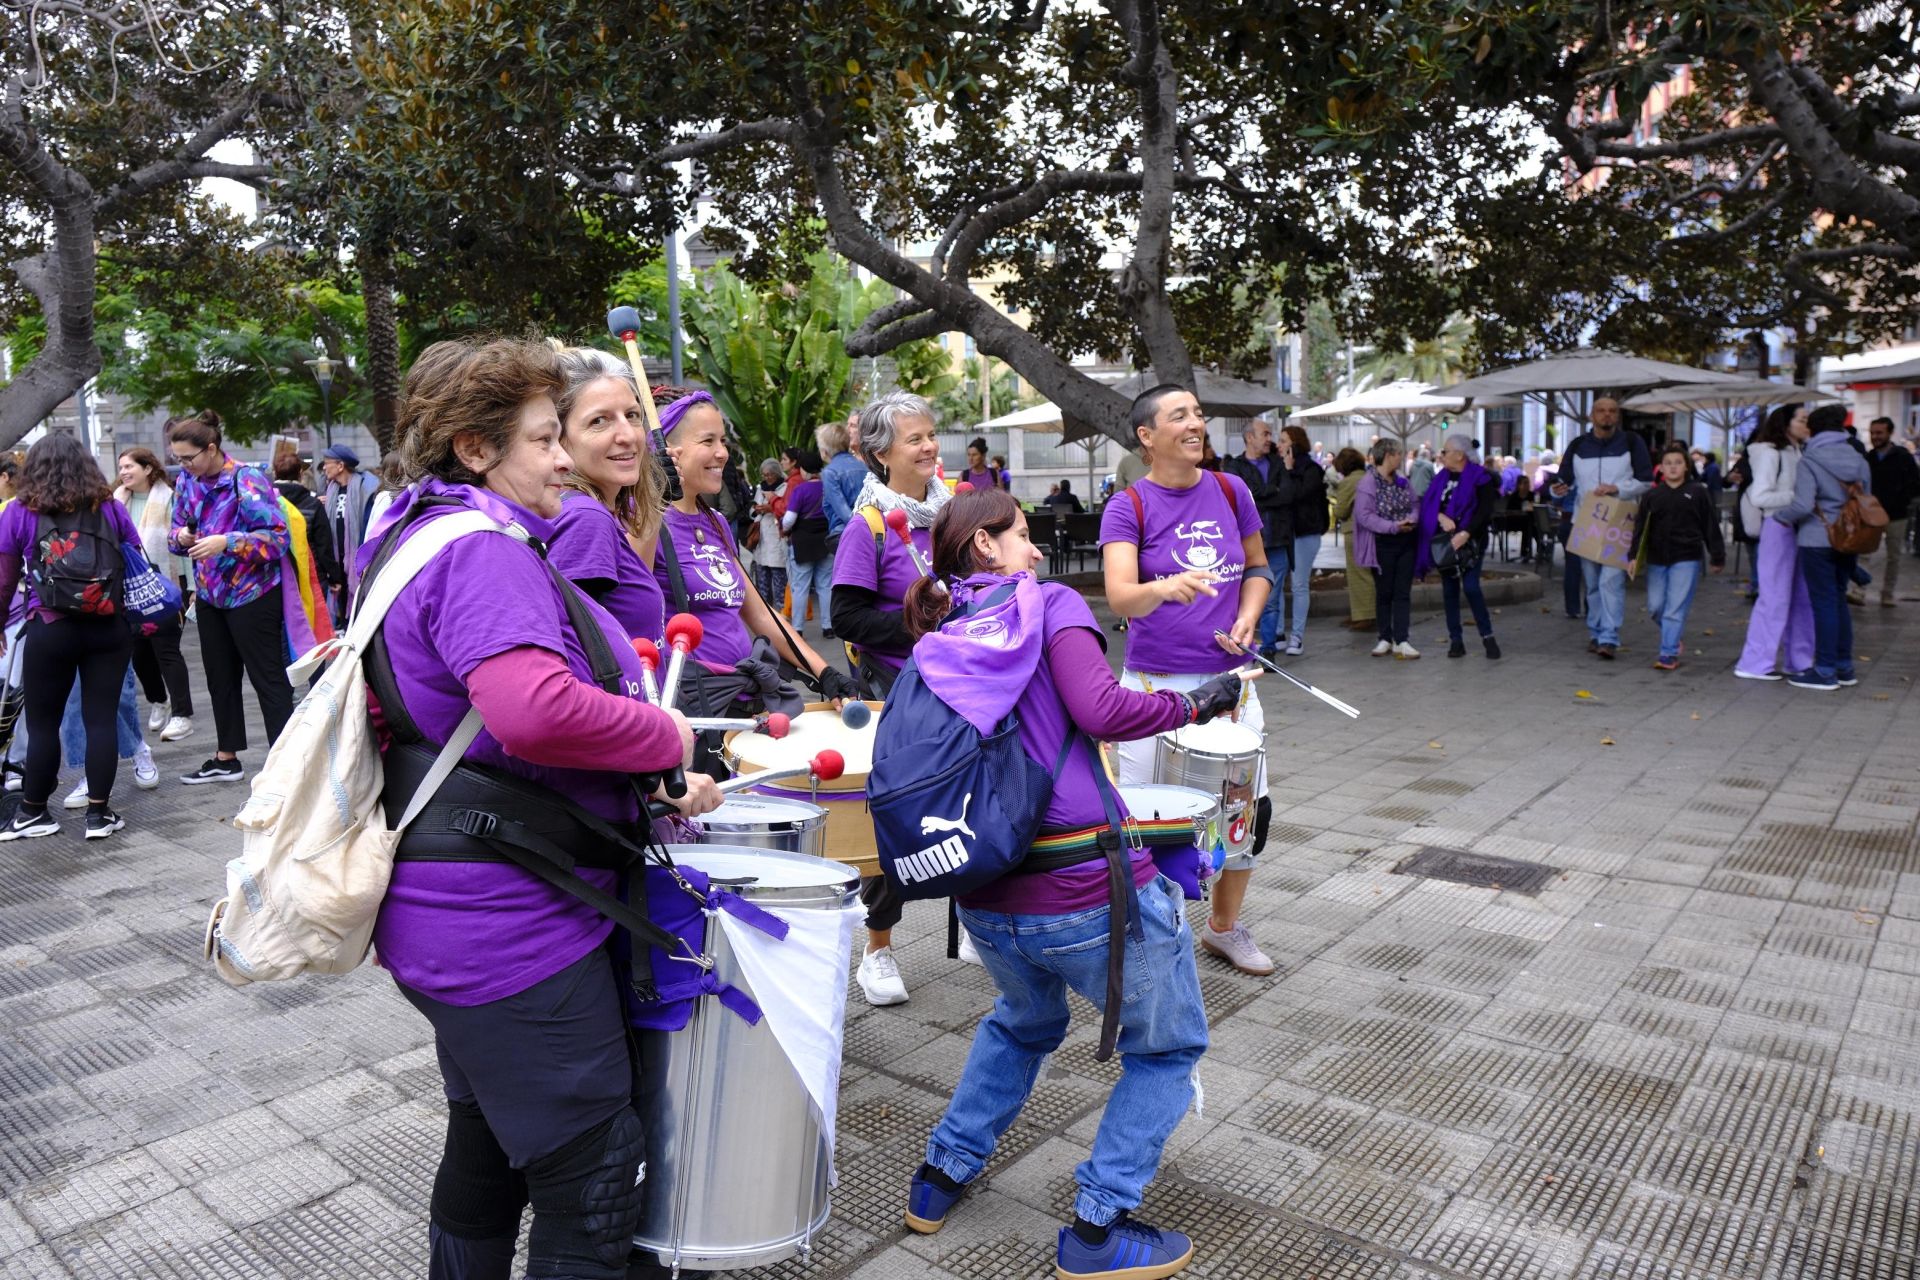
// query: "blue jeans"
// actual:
[[1301, 567], [1828, 574], [126, 724], [1450, 589], [1606, 600], [1035, 960], [1670, 589], [815, 579], [1273, 613]]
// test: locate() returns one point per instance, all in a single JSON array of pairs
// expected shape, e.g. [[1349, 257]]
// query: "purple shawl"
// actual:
[[1459, 510], [981, 665]]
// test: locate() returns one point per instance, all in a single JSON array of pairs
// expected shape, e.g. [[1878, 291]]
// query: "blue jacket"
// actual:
[[1827, 466], [840, 482], [1620, 460]]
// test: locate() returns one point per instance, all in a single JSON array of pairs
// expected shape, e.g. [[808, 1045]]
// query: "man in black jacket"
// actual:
[[1273, 496], [1896, 482]]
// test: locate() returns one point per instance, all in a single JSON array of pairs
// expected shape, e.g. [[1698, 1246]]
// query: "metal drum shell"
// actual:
[[737, 1165], [768, 822], [1205, 821], [1179, 760]]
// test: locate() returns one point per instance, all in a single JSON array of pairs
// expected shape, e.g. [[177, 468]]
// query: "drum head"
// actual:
[[810, 733], [762, 811], [1153, 800], [763, 869], [1218, 738]]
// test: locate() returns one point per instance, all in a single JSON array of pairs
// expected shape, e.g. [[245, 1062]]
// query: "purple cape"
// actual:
[[1459, 510], [981, 665]]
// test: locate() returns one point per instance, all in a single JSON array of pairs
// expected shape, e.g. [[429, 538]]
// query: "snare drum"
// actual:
[[1222, 759], [1152, 807], [768, 822], [849, 827]]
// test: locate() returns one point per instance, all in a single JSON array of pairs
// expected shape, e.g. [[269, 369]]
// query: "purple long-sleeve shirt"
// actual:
[[18, 529]]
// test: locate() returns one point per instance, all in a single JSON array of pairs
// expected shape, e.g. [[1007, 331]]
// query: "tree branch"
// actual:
[[1774, 200], [880, 318], [1694, 146], [929, 324], [1022, 204], [769, 130], [180, 165], [1870, 249], [1887, 148]]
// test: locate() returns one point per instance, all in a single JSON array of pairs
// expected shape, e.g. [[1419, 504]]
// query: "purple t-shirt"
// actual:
[[806, 499], [1192, 528], [18, 530], [589, 546], [467, 933], [1076, 798], [716, 584], [886, 572]]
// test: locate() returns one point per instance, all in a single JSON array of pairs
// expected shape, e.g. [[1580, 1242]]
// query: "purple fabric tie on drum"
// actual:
[[980, 665]]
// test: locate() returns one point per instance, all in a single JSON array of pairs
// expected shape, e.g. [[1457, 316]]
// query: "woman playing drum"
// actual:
[[1184, 560], [871, 573], [515, 974], [610, 516], [1038, 653]]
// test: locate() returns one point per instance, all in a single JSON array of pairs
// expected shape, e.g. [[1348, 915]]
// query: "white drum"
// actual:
[[1221, 758], [1154, 808], [768, 822], [849, 830]]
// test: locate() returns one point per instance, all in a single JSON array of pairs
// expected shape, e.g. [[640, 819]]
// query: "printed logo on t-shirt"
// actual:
[[716, 566], [1197, 547]]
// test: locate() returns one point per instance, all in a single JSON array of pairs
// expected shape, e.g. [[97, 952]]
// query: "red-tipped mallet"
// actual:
[[774, 724], [963, 487], [897, 521], [649, 654], [824, 767], [683, 635]]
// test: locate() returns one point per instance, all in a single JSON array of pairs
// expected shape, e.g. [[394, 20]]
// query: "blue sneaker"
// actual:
[[928, 1204], [1811, 679], [1133, 1251]]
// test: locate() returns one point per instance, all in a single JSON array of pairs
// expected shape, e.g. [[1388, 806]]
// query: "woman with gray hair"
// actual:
[[871, 573], [609, 520], [1383, 535], [1456, 513]]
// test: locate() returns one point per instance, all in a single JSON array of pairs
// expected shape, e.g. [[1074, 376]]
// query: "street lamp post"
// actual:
[[323, 374]]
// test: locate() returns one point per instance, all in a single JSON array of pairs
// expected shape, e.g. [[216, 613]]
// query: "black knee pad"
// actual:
[[476, 1194], [586, 1202], [1262, 819]]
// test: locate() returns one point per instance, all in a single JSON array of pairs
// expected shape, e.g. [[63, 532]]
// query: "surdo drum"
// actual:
[[1221, 758], [849, 827]]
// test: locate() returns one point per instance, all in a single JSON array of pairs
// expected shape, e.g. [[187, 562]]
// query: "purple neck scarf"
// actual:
[[1459, 508], [981, 663]]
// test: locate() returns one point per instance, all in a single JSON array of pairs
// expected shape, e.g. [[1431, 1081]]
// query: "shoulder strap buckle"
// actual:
[[474, 822]]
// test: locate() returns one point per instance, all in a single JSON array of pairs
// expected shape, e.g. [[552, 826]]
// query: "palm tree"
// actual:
[[1434, 361]]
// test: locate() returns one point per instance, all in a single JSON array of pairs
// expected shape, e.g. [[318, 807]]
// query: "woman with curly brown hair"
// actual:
[[65, 533]]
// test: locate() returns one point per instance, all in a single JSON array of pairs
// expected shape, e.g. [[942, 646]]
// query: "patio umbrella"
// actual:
[[1398, 409], [1723, 404], [1583, 369], [1220, 396], [1904, 374]]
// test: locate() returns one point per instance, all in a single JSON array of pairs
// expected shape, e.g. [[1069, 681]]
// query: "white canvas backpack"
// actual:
[[316, 850]]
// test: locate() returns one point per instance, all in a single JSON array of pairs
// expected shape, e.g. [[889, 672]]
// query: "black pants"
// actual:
[[162, 669], [883, 902], [1393, 585], [1573, 582], [95, 650], [250, 638]]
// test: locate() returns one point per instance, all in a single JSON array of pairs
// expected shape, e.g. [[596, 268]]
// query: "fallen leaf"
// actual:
[[1863, 916], [1606, 742], [1863, 657], [1695, 716], [1581, 693], [1434, 746], [1883, 697], [1707, 632]]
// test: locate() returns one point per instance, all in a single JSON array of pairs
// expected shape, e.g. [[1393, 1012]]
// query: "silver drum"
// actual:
[[768, 822], [1221, 758], [737, 1165]]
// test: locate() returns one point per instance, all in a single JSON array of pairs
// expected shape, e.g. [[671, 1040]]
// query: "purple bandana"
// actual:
[[980, 664], [671, 413]]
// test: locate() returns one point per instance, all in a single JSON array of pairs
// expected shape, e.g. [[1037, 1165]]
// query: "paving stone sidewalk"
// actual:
[[1691, 1055]]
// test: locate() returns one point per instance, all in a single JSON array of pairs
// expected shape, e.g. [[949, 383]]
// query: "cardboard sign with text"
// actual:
[[1603, 530]]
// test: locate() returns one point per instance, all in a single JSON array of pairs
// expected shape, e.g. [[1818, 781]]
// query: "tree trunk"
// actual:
[[383, 338], [1143, 284]]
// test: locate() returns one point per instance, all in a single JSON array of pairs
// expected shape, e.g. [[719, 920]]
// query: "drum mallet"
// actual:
[[897, 521], [649, 654], [1289, 677], [624, 324], [824, 767], [683, 634], [774, 724]]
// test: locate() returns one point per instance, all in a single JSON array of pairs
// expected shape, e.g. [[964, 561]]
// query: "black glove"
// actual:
[[835, 683], [1216, 697]]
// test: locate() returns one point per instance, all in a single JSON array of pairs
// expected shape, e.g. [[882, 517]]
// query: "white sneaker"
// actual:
[[969, 954], [156, 717], [1296, 645], [76, 798], [15, 782], [1757, 675], [880, 978], [1405, 652], [1236, 947], [146, 774], [177, 727], [1382, 649]]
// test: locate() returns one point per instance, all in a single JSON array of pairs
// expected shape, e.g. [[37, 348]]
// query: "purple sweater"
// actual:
[[17, 529]]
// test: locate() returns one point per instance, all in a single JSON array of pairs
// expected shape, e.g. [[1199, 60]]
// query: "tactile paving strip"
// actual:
[[1364, 1077], [1453, 1103], [1551, 1188], [1875, 1215], [1421, 1152], [1492, 1242], [1748, 1122], [1290, 1249], [1244, 1163], [1581, 1134], [1014, 1257], [1393, 1037], [1318, 1124], [1703, 1232], [1816, 1255], [1504, 1066], [1548, 1029], [1379, 1210], [1635, 1096], [1171, 1199], [1701, 1167], [1435, 1008], [833, 1252]]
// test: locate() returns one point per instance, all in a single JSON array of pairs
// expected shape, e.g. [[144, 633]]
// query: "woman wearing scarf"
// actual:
[[610, 515], [696, 564], [1039, 653], [1384, 529], [1456, 512], [871, 574], [157, 660]]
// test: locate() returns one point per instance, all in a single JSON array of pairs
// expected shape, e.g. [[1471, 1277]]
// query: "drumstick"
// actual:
[[774, 724], [897, 521], [824, 767], [649, 654], [683, 633], [1289, 677], [624, 324]]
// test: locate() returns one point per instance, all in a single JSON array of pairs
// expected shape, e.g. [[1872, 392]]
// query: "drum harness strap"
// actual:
[[473, 802]]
